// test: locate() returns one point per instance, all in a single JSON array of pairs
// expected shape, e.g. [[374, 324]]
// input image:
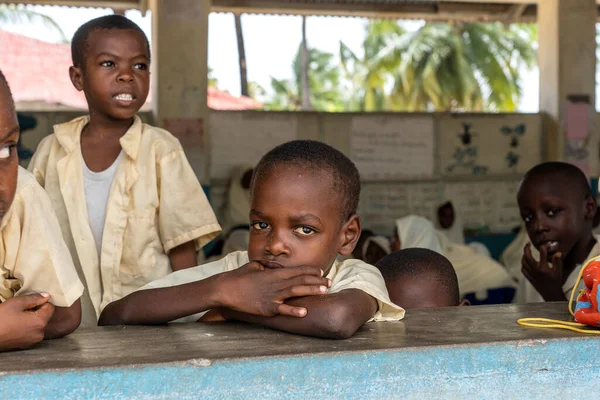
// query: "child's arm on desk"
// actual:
[[64, 321], [24, 321], [183, 256], [334, 316], [251, 288]]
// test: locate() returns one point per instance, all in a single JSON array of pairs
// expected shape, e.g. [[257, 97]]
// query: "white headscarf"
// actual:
[[237, 208], [476, 273], [455, 232], [416, 231], [380, 241]]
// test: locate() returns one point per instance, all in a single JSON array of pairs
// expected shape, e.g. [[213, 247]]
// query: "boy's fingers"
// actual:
[[27, 302], [302, 290], [291, 311], [297, 271], [544, 255], [45, 312], [306, 280], [528, 259]]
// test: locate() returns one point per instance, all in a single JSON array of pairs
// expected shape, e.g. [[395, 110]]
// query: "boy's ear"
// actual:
[[590, 207], [76, 77], [350, 234]]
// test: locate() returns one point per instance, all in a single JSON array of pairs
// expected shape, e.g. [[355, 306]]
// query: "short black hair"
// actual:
[[316, 156], [4, 82], [557, 169], [419, 261], [79, 44]]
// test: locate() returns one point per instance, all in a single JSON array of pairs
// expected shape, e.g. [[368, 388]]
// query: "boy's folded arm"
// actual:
[[64, 321], [162, 305], [333, 316]]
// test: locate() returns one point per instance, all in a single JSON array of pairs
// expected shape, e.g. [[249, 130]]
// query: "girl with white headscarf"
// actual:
[[476, 273]]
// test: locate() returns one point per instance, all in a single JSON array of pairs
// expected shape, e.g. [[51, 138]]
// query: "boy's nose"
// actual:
[[125, 77], [277, 245], [540, 225]]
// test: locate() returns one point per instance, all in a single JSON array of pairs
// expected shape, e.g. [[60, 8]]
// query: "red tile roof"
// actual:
[[38, 71]]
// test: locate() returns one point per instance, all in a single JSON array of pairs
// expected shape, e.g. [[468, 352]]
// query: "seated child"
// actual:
[[33, 255], [304, 196], [420, 278], [129, 205], [558, 208], [371, 248], [478, 275]]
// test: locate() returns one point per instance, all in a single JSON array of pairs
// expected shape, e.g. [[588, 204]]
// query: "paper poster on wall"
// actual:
[[483, 145], [382, 204], [392, 147], [243, 138]]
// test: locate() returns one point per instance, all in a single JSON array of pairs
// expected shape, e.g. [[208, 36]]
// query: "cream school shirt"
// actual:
[[33, 254], [155, 204], [349, 274]]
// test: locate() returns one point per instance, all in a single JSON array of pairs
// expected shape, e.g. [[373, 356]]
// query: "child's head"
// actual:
[[303, 208], [557, 206], [420, 278], [111, 61], [445, 215], [9, 136], [370, 247]]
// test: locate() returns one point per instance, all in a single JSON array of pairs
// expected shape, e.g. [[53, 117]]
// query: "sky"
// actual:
[[271, 43]]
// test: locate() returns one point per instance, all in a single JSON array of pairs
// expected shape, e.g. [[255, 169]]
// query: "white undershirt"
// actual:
[[97, 188]]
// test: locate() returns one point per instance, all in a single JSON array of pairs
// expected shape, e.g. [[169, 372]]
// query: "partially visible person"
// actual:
[[420, 278], [371, 248], [237, 207], [558, 208], [477, 275], [33, 254]]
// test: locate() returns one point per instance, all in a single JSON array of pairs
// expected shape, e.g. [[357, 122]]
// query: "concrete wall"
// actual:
[[409, 162]]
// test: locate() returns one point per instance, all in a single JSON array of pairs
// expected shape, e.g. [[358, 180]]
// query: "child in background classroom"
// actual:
[[39, 287], [480, 278], [558, 208], [303, 216], [420, 278], [129, 205]]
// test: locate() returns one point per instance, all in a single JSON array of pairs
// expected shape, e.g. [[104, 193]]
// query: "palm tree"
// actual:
[[458, 66], [241, 54], [14, 14], [323, 83], [306, 104], [367, 75]]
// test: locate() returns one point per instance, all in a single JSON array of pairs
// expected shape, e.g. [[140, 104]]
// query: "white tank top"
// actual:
[[97, 189]]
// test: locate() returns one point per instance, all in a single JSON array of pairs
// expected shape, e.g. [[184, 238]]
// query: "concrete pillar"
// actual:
[[567, 60], [179, 75]]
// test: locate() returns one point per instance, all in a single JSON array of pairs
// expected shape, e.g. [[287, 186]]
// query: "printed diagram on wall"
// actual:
[[488, 145], [514, 134], [465, 155]]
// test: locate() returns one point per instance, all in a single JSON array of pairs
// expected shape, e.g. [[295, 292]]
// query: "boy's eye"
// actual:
[[305, 231], [141, 66], [259, 226], [527, 219], [553, 212], [107, 64], [6, 151]]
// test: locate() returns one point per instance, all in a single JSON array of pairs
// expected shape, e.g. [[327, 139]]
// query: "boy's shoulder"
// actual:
[[160, 139], [26, 180]]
